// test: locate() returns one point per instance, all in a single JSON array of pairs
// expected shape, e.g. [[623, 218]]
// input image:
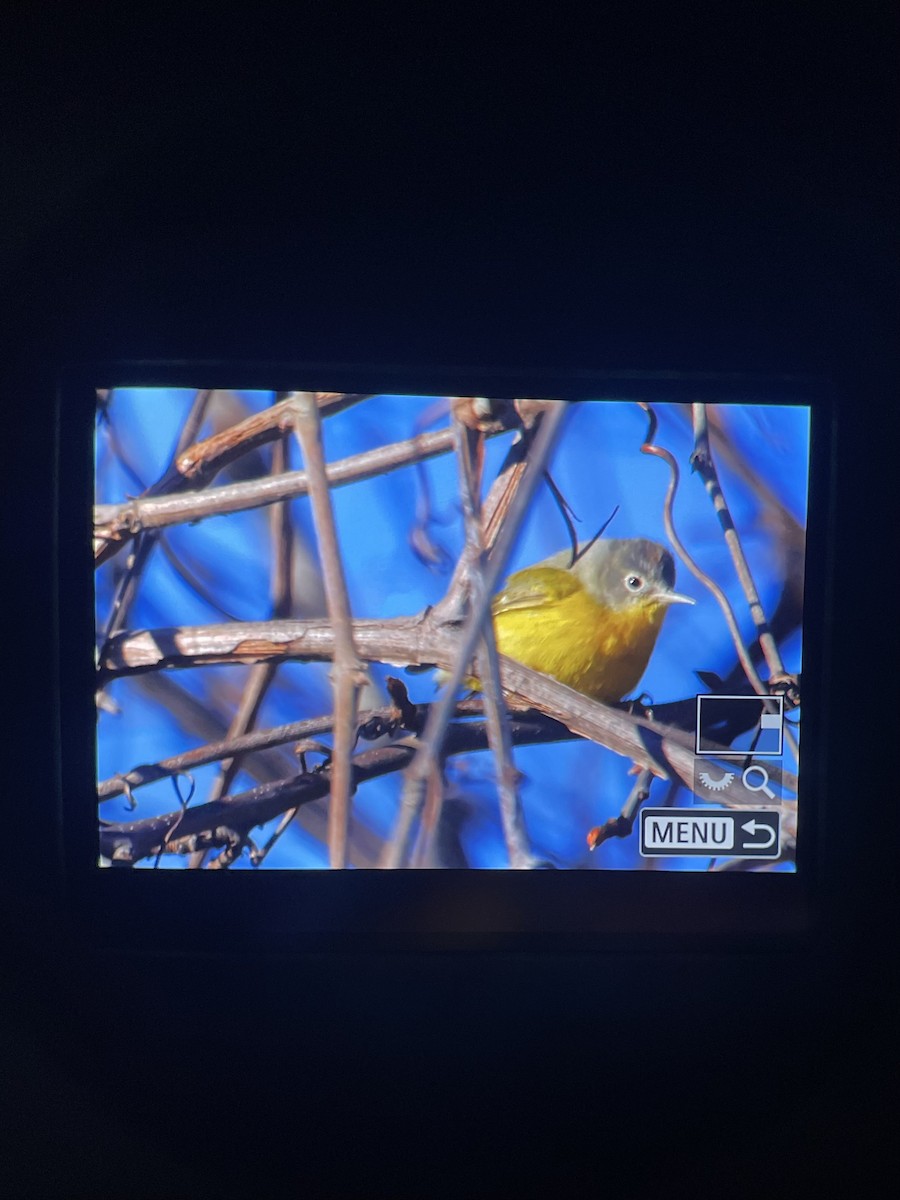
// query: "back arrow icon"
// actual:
[[752, 827]]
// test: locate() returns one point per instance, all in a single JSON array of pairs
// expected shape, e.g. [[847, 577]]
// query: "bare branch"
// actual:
[[194, 421], [648, 447], [468, 442], [791, 539], [401, 641], [497, 503], [348, 676], [267, 759], [115, 524], [702, 462], [203, 461], [198, 465], [622, 825], [261, 675], [126, 589], [542, 443], [131, 841], [373, 723], [229, 747]]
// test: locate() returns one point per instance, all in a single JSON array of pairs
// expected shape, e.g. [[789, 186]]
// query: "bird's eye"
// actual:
[[634, 583]]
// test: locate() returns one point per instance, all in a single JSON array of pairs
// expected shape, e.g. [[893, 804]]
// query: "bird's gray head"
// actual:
[[620, 572]]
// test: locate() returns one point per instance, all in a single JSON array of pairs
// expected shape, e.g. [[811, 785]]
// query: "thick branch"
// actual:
[[402, 641]]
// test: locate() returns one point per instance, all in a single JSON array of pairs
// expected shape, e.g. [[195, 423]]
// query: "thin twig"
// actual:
[[494, 509], [511, 814], [254, 691], [282, 530], [178, 764], [194, 422], [187, 576], [126, 589], [622, 825], [268, 762], [789, 532], [258, 857], [540, 450], [373, 723], [133, 840], [648, 447], [702, 462], [348, 676], [261, 675], [115, 523], [198, 465]]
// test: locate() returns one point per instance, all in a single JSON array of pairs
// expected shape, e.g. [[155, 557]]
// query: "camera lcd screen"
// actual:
[[364, 631]]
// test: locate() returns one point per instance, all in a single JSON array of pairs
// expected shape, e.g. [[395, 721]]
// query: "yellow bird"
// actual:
[[592, 626]]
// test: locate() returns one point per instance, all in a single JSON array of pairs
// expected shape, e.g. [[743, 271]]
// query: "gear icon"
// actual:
[[716, 785]]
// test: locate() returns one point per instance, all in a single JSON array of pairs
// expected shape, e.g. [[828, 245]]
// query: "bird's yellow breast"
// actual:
[[597, 651]]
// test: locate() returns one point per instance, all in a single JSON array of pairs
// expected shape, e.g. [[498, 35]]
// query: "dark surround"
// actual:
[[729, 204], [427, 911]]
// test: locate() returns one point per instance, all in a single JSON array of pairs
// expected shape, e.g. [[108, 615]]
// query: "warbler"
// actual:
[[593, 625]]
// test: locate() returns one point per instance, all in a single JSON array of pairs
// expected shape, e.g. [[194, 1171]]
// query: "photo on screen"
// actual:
[[377, 631]]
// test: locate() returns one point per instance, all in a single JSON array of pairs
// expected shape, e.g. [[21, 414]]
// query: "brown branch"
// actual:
[[702, 462], [194, 421], [401, 641], [268, 762], [204, 460], [648, 447], [230, 747], [348, 676], [261, 675], [115, 524], [468, 448], [498, 501], [622, 825], [541, 446], [198, 465], [145, 544], [258, 857], [785, 527], [373, 723], [131, 841]]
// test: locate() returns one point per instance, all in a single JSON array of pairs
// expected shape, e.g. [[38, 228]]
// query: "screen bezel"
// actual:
[[409, 909]]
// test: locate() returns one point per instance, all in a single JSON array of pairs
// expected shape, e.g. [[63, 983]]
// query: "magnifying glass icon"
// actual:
[[762, 786]]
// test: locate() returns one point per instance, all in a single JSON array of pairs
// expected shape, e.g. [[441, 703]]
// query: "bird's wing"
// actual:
[[535, 587]]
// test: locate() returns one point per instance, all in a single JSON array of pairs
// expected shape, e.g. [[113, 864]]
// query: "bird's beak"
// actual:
[[673, 598]]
